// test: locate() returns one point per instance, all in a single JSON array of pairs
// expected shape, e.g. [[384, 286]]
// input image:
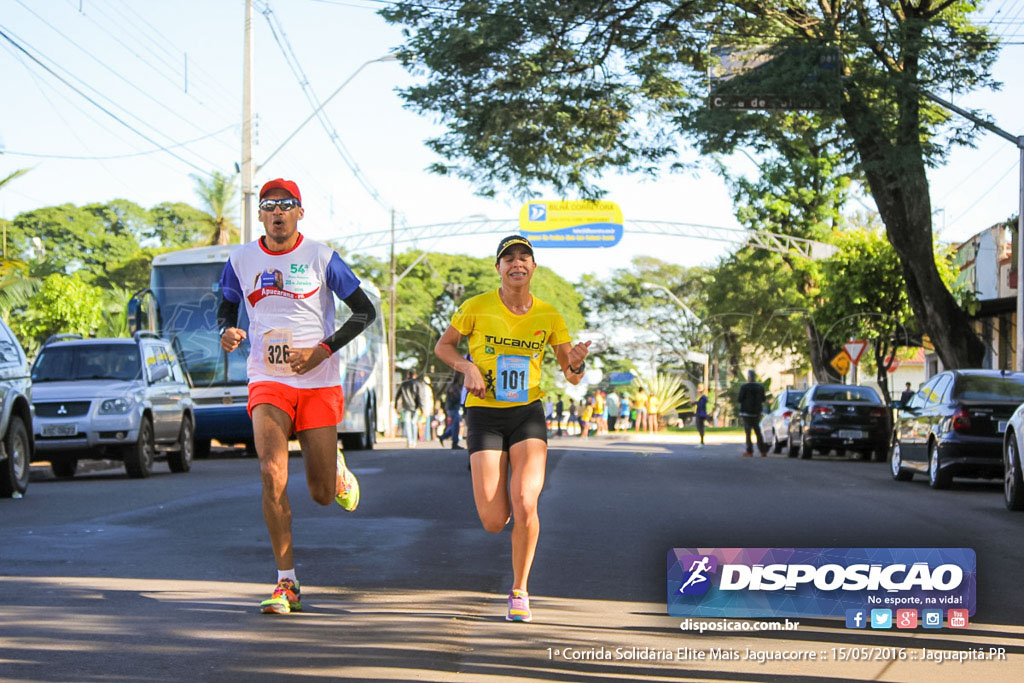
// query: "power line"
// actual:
[[303, 81], [120, 156], [106, 66], [18, 46]]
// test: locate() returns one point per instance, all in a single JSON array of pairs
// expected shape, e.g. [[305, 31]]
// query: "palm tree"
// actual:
[[218, 194], [16, 287], [20, 172]]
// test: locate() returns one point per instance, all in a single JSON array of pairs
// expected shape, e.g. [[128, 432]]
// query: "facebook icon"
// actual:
[[856, 618]]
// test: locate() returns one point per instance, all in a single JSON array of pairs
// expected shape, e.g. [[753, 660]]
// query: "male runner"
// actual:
[[288, 284], [509, 329]]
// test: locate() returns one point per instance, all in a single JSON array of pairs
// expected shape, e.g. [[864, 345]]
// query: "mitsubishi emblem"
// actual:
[[62, 410]]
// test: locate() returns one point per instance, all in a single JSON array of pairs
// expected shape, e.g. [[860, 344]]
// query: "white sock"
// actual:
[[286, 574]]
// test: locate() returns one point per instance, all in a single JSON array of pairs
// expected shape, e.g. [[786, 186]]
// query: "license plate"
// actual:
[[851, 434], [1002, 426], [59, 430]]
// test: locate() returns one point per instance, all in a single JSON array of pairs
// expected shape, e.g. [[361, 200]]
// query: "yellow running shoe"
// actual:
[[348, 486], [284, 600]]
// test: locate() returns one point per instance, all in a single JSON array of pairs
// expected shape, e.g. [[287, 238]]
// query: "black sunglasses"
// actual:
[[284, 204]]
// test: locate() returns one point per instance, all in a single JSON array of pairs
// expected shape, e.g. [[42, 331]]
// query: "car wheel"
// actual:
[[776, 444], [250, 449], [937, 477], [14, 470], [138, 459], [880, 453], [1013, 482], [793, 450], [896, 464], [808, 449], [181, 460], [64, 468]]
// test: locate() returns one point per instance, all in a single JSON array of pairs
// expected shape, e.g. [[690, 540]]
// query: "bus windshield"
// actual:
[[188, 296]]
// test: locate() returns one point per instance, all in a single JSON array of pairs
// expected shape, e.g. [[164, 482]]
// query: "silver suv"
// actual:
[[116, 398], [15, 415]]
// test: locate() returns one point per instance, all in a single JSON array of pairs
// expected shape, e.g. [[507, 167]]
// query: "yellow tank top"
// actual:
[[508, 348]]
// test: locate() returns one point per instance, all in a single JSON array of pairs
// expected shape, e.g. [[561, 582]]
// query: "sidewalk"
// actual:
[[710, 439]]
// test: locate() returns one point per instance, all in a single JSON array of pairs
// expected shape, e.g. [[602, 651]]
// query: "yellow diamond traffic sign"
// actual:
[[841, 363]]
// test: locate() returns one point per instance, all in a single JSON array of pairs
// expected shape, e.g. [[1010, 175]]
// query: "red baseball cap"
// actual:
[[288, 186]]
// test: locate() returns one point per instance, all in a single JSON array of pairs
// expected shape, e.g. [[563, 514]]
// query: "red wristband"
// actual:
[[328, 348]]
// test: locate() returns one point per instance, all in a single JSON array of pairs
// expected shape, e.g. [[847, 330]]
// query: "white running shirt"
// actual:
[[289, 297]]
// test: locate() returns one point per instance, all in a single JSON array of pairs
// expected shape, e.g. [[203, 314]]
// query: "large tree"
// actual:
[[558, 91]]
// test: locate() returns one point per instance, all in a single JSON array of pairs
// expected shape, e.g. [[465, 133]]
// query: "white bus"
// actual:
[[181, 305]]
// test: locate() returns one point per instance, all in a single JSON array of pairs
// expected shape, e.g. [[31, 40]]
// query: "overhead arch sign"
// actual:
[[571, 223]]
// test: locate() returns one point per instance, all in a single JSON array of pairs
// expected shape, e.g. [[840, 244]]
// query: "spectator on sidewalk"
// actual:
[[407, 403], [751, 400]]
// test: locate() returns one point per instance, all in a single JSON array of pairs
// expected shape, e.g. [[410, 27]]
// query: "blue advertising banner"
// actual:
[[571, 223], [818, 582]]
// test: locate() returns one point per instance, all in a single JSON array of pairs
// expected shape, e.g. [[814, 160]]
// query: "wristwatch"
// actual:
[[580, 369]]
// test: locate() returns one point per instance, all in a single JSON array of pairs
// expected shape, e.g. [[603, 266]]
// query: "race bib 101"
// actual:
[[512, 383]]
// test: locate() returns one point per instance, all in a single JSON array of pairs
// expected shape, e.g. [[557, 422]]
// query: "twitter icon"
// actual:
[[881, 618]]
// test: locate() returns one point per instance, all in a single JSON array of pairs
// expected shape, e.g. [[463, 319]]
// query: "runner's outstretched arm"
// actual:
[[572, 358]]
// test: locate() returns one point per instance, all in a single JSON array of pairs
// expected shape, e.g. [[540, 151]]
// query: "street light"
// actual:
[[706, 358], [247, 189]]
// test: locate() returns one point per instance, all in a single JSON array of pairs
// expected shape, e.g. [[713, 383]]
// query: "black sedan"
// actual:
[[840, 417], [954, 426]]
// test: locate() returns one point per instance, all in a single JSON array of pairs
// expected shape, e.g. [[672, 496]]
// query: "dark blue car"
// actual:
[[954, 425]]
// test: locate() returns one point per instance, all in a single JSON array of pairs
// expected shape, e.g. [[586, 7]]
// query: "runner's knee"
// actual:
[[493, 523], [524, 504], [322, 494]]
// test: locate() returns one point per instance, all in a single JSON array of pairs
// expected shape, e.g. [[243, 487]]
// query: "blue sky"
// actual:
[[130, 58]]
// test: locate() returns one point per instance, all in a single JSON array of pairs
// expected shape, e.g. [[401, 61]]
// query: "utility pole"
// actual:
[[247, 171], [391, 325]]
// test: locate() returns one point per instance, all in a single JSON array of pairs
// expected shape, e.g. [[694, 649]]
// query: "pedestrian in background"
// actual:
[[612, 400], [640, 405], [751, 400], [625, 409], [587, 417], [559, 412], [453, 411], [701, 414], [653, 412], [407, 403], [907, 394], [426, 410]]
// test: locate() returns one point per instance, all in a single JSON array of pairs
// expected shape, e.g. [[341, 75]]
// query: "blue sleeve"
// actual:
[[340, 278], [230, 288]]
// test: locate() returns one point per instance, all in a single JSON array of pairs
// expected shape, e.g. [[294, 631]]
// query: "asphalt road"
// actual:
[[108, 578]]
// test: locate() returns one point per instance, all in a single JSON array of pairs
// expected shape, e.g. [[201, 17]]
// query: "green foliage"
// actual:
[[669, 391], [863, 294], [77, 239], [643, 324], [63, 304], [218, 192], [16, 287], [176, 225], [558, 92]]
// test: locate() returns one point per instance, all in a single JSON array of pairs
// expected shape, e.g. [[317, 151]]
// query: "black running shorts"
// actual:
[[496, 429]]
